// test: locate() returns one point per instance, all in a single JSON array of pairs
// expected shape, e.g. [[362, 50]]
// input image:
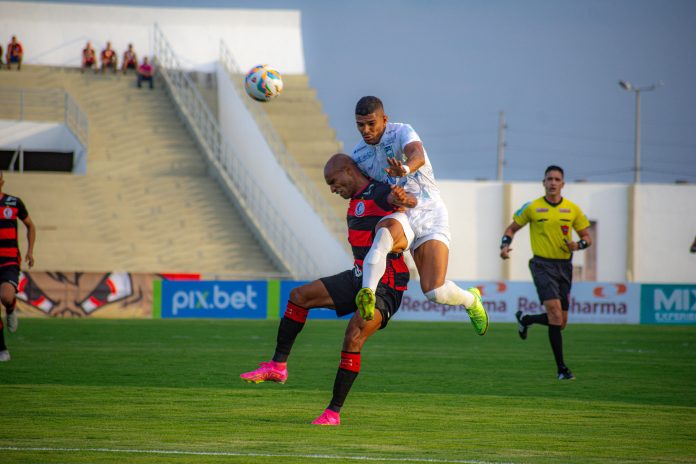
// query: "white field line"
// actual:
[[231, 453]]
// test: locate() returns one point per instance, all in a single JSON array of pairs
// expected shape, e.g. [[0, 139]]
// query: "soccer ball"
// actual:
[[263, 83]]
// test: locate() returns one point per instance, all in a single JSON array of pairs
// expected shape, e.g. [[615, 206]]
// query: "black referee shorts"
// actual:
[[552, 279], [343, 288]]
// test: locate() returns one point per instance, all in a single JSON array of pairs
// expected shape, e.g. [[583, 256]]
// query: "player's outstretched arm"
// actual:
[[400, 199], [415, 158], [507, 239]]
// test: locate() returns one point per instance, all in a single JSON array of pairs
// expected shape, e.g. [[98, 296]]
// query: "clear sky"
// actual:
[[449, 67]]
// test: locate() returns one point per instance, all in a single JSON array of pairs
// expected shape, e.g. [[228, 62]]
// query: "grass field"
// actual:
[[168, 391]]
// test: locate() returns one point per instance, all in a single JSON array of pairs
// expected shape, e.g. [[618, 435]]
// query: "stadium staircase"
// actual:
[[146, 203], [298, 118]]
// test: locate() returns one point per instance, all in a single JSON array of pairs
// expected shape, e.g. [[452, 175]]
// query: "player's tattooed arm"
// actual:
[[399, 198]]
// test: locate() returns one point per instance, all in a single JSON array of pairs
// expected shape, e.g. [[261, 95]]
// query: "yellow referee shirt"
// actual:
[[550, 226]]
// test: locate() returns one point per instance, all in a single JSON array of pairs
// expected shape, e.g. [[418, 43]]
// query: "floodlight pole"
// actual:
[[636, 150]]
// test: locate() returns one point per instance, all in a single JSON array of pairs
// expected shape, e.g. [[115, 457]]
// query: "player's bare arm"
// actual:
[[507, 239], [415, 159], [584, 242], [31, 238], [400, 199]]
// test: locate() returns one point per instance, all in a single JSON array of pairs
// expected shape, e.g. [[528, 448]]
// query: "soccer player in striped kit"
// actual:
[[370, 201], [11, 209]]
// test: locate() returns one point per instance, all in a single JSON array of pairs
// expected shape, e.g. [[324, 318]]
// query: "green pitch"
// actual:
[[79, 391]]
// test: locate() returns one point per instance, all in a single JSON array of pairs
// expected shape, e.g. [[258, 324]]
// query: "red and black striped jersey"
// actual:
[[11, 209], [366, 209]]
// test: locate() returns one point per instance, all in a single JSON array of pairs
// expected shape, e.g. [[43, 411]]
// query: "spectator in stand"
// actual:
[[15, 52], [89, 57], [109, 59], [145, 73], [130, 61]]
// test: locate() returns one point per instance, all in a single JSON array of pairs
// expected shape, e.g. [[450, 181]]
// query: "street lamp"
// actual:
[[631, 88]]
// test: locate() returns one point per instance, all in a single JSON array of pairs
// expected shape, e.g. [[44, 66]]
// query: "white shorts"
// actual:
[[420, 224]]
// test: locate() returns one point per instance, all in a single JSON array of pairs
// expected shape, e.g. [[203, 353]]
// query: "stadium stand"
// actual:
[[146, 203], [298, 118]]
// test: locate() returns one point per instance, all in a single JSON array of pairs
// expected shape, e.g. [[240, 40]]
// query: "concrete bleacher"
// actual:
[[146, 203], [298, 118]]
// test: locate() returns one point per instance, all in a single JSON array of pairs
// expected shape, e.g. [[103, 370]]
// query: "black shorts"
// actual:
[[9, 274], [343, 288], [552, 279]]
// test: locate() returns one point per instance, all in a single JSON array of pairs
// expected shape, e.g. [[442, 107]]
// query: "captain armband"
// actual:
[[582, 245], [506, 241]]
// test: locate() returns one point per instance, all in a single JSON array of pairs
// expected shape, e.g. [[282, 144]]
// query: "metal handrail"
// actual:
[[44, 105], [254, 204], [334, 223]]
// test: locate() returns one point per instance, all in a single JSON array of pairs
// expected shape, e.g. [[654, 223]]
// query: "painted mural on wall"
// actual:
[[85, 294]]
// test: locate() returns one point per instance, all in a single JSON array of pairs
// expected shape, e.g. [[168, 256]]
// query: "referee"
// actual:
[[551, 218]]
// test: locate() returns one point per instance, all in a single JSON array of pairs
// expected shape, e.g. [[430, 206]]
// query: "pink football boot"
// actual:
[[270, 371], [328, 417]]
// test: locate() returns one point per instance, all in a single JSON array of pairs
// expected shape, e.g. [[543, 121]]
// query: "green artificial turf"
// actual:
[[79, 391]]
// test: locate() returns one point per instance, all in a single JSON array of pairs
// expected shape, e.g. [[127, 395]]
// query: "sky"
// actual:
[[552, 67]]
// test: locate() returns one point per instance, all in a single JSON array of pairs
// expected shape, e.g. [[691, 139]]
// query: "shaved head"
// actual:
[[343, 176], [338, 162]]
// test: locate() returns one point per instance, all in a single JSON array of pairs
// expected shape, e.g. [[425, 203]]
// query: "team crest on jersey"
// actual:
[[7, 212], [360, 208], [565, 230], [389, 151]]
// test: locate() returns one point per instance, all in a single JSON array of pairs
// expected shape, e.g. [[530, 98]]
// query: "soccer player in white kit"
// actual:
[[394, 154]]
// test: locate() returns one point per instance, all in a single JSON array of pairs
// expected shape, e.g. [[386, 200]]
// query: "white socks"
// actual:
[[450, 294], [375, 262]]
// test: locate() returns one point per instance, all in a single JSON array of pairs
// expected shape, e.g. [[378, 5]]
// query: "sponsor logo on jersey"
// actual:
[[368, 190], [563, 210], [357, 272], [389, 150], [542, 210], [360, 209]]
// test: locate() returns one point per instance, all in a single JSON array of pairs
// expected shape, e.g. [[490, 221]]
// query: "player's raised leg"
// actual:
[[357, 333], [392, 235], [302, 299], [432, 258]]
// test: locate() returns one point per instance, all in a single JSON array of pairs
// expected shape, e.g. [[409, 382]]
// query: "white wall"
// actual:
[[241, 131], [665, 226], [55, 34], [42, 136], [474, 208]]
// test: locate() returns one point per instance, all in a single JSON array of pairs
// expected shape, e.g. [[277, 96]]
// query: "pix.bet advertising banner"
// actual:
[[590, 302], [668, 304], [214, 299]]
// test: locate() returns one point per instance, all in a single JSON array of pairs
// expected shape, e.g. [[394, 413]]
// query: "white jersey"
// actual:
[[372, 160]]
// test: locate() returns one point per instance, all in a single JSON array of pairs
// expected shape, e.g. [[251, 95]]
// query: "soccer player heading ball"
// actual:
[[370, 201]]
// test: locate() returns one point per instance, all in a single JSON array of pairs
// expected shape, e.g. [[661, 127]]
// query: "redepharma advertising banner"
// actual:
[[590, 302], [668, 304]]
